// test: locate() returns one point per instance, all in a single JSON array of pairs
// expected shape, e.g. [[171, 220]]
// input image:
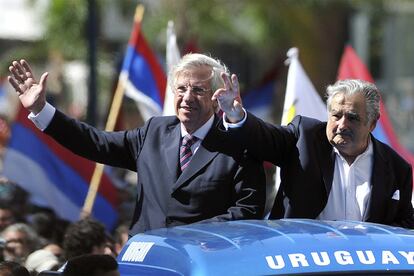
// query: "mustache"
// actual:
[[344, 133]]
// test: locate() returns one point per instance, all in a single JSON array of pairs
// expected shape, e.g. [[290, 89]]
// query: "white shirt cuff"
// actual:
[[228, 125], [43, 118]]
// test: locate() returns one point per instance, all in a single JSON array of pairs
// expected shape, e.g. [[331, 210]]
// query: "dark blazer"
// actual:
[[307, 159], [216, 185]]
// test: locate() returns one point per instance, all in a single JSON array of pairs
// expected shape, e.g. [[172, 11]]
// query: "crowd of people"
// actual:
[[35, 239], [212, 165]]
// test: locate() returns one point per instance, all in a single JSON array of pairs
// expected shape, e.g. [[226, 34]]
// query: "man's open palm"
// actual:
[[32, 94]]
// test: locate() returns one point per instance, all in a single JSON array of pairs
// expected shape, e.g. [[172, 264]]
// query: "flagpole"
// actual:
[[110, 126], [173, 57]]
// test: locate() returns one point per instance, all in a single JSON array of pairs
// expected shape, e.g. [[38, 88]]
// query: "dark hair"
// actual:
[[90, 265], [14, 198], [82, 236], [11, 193], [43, 222], [6, 205], [8, 268]]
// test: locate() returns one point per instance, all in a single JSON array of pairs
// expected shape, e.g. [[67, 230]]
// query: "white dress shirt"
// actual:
[[351, 187], [43, 118], [199, 133], [228, 125]]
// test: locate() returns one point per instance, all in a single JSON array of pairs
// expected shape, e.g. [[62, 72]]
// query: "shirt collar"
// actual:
[[201, 132]]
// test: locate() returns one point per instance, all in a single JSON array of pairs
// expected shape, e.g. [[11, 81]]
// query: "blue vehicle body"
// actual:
[[269, 247]]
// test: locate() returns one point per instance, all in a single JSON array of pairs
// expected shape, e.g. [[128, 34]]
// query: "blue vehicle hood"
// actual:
[[268, 247]]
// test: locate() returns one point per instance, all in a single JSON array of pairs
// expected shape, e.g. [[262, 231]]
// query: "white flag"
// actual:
[[301, 97], [173, 57]]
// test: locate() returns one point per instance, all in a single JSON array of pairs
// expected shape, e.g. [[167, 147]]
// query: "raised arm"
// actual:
[[32, 94]]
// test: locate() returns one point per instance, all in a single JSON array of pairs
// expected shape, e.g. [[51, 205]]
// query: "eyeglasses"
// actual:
[[15, 241], [195, 90]]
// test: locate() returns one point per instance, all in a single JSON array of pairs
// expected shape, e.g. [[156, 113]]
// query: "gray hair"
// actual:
[[353, 86], [32, 238], [190, 61]]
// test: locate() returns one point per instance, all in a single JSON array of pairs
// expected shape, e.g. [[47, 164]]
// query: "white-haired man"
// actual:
[[333, 170], [215, 185]]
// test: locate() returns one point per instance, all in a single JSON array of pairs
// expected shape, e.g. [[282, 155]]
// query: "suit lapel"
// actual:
[[201, 158], [326, 159], [170, 144], [381, 178]]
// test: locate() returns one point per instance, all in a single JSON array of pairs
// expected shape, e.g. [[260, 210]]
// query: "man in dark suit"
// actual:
[[333, 170], [218, 184]]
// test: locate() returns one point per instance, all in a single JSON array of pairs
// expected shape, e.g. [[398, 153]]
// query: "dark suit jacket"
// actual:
[[215, 185], [307, 159]]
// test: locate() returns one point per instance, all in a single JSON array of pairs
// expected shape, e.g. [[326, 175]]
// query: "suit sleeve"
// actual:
[[119, 149], [249, 192], [265, 141]]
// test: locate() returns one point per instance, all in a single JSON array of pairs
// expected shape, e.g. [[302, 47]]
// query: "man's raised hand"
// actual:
[[229, 99], [32, 94]]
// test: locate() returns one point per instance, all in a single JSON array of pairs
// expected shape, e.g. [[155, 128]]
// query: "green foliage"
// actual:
[[66, 28]]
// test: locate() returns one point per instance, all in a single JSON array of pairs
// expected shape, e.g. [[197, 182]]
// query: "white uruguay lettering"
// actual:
[[280, 263], [298, 260], [325, 258], [137, 251], [369, 259], [388, 257], [408, 255], [343, 257]]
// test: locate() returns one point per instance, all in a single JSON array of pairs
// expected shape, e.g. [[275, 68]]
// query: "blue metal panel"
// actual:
[[263, 247]]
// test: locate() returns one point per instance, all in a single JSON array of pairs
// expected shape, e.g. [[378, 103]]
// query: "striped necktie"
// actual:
[[185, 150]]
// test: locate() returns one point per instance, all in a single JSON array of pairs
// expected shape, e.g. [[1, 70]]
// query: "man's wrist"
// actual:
[[228, 124], [43, 118], [234, 118], [37, 109], [235, 115]]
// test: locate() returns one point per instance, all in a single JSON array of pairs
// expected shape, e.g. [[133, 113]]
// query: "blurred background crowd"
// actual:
[[37, 239]]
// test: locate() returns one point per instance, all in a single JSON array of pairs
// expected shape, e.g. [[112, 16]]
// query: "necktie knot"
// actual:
[[185, 150], [189, 140]]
